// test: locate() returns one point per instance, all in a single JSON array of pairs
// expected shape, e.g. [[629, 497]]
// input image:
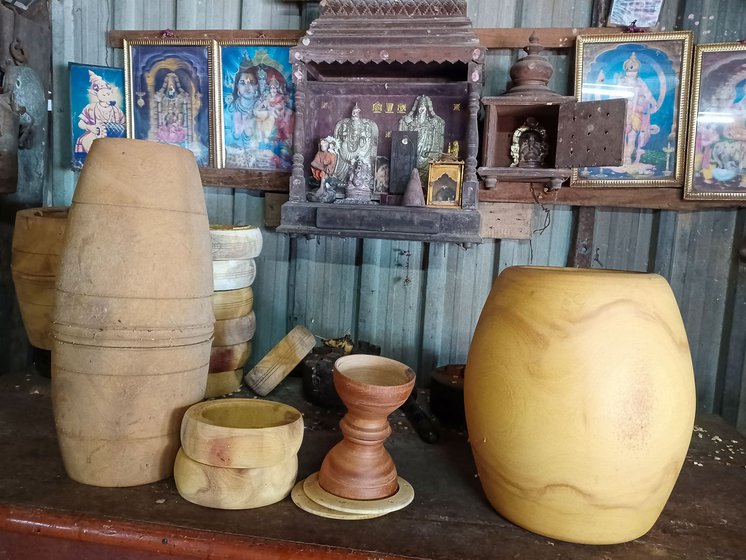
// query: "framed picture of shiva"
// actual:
[[169, 93], [255, 99]]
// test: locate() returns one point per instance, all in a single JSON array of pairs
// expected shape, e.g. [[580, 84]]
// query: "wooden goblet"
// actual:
[[371, 387]]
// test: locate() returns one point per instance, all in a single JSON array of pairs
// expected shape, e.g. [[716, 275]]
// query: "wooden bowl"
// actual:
[[241, 433], [226, 488]]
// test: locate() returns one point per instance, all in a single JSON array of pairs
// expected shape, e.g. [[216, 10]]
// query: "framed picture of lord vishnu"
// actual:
[[169, 93], [651, 71]]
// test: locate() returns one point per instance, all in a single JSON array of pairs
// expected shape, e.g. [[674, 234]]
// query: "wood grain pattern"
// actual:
[[241, 433], [278, 363]]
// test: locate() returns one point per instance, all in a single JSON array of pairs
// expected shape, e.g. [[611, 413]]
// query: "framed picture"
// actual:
[[169, 93], [716, 166], [643, 12], [444, 183], [256, 104], [96, 107], [652, 72]]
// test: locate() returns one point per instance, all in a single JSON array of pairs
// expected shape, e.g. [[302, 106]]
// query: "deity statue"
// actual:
[[530, 147], [322, 167], [358, 140], [359, 183], [431, 131]]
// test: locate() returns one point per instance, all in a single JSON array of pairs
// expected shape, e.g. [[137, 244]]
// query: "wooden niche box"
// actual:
[[533, 134], [383, 88]]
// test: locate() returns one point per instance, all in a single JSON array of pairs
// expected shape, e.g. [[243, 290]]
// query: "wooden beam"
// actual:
[[274, 181], [663, 198], [492, 38], [550, 37], [116, 36]]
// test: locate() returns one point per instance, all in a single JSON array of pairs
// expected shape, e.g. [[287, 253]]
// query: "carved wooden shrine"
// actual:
[[381, 60], [578, 134]]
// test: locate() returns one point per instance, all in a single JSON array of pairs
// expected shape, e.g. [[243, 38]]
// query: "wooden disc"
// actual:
[[403, 497], [241, 432], [235, 242], [227, 488], [305, 503], [233, 274], [223, 383], [280, 361], [235, 331], [229, 304]]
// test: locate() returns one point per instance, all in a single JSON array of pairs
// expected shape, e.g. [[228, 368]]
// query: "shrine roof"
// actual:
[[390, 31]]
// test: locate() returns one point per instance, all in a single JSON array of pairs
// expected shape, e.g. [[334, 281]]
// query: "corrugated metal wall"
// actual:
[[421, 301]]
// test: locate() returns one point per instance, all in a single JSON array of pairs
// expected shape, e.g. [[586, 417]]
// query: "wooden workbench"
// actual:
[[43, 514]]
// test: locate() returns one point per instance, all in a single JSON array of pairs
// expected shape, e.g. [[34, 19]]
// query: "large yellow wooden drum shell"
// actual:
[[580, 400]]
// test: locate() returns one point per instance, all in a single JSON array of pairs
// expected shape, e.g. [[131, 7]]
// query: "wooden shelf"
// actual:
[[662, 198], [44, 514], [272, 181], [492, 38]]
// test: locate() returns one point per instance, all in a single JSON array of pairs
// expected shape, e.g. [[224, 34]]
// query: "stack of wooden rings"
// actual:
[[238, 453], [234, 249]]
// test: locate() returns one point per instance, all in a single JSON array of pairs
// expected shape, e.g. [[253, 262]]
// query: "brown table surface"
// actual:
[[450, 518]]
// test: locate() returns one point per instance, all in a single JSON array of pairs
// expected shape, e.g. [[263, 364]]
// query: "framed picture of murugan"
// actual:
[[169, 93], [716, 166], [651, 71], [255, 104]]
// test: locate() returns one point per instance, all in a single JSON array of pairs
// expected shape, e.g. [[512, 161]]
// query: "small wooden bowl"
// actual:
[[241, 433], [226, 488]]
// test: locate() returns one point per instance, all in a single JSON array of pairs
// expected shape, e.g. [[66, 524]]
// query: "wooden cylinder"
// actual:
[[133, 319], [231, 304], [235, 331], [233, 274], [579, 397], [37, 243], [221, 383], [235, 242], [235, 356]]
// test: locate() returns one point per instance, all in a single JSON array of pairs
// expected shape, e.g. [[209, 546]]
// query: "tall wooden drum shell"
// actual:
[[580, 400], [37, 243], [133, 320]]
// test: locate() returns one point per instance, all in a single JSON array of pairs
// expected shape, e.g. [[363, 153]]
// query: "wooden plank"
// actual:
[[276, 181], [551, 37], [115, 37], [581, 255], [505, 221], [665, 198], [734, 386]]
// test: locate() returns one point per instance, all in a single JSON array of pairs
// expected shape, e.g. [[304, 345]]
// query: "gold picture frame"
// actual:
[[652, 71], [716, 163], [170, 94], [444, 184]]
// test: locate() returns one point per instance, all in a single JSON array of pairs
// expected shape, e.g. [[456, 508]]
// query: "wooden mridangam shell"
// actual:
[[234, 488], [235, 242], [241, 433], [235, 331], [233, 274], [230, 304], [224, 358], [223, 383]]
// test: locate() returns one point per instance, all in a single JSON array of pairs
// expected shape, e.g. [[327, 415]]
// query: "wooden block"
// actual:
[[280, 361], [506, 221], [272, 204]]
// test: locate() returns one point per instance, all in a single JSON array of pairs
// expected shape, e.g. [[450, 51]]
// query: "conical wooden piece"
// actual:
[[413, 195]]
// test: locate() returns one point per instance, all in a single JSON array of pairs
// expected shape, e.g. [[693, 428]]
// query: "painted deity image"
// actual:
[[258, 107], [171, 97], [649, 78], [97, 101]]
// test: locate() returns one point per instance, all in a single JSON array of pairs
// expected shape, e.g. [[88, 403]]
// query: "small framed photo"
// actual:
[[716, 166], [256, 104], [444, 183], [169, 93], [643, 12], [651, 71], [96, 107]]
